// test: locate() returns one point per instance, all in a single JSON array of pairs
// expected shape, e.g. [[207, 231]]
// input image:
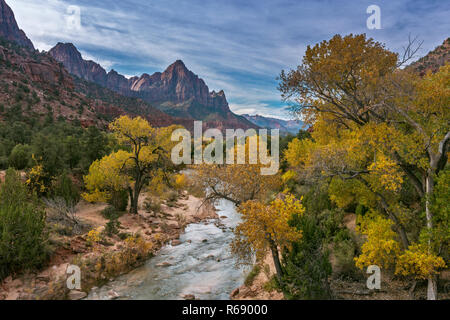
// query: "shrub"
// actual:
[[172, 196], [93, 237], [119, 200], [306, 265], [64, 188], [63, 216], [112, 227], [22, 229], [110, 213], [180, 181], [152, 205], [331, 222], [252, 275], [345, 249], [20, 157]]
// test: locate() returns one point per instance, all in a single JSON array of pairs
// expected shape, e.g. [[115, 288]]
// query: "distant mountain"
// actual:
[[177, 91], [33, 84], [9, 29], [285, 126], [433, 60]]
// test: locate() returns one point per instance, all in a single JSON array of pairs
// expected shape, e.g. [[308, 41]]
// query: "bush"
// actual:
[[110, 213], [152, 205], [112, 227], [306, 265], [64, 188], [22, 229], [172, 196], [20, 157], [252, 275], [331, 223], [345, 249], [119, 200]]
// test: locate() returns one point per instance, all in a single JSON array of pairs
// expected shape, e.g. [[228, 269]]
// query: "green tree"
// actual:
[[20, 157], [23, 237], [306, 265]]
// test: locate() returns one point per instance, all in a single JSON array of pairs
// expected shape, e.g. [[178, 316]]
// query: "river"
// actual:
[[202, 265]]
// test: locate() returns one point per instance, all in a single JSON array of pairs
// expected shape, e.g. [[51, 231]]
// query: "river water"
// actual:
[[202, 265]]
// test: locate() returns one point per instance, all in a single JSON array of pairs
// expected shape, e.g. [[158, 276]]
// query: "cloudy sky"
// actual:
[[239, 46]]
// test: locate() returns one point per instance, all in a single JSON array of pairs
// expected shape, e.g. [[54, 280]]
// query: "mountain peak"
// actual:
[[179, 63], [66, 46], [9, 28], [68, 50], [71, 58], [178, 67]]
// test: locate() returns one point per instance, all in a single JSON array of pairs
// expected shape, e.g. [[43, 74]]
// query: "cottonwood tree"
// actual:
[[237, 183], [147, 153], [374, 123], [266, 227]]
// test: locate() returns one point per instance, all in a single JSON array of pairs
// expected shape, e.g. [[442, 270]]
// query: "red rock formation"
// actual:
[[433, 60], [9, 28], [177, 85], [70, 57], [118, 83], [176, 91]]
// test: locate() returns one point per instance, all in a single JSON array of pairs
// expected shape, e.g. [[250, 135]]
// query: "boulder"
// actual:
[[76, 295]]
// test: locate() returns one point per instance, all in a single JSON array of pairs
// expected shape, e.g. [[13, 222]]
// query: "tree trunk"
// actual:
[[432, 288], [429, 183], [136, 192], [134, 204], [130, 191], [276, 261]]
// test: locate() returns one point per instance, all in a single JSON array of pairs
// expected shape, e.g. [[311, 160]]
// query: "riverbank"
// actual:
[[258, 288], [342, 287], [141, 237], [201, 266]]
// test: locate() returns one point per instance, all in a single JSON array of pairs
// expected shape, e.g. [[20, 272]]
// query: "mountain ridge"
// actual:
[[176, 91], [433, 60], [285, 126]]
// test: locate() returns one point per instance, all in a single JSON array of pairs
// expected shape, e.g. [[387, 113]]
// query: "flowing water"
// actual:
[[201, 266]]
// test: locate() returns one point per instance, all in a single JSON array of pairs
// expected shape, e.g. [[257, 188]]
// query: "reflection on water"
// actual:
[[202, 265]]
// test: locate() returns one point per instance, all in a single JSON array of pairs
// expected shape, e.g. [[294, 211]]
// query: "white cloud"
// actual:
[[239, 47]]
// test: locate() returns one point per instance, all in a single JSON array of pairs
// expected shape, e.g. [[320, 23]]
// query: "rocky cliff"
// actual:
[[9, 28]]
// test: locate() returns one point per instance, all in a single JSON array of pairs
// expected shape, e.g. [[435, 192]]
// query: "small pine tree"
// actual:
[[306, 265], [64, 188]]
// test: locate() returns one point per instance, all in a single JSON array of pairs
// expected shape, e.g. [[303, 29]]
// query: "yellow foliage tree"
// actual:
[[381, 247], [419, 262], [147, 152], [265, 227], [237, 183], [374, 123]]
